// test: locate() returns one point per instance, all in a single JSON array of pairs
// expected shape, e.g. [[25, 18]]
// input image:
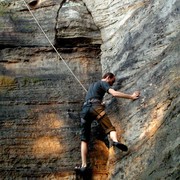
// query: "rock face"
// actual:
[[141, 46], [41, 99]]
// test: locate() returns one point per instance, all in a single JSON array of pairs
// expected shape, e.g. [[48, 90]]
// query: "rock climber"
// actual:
[[94, 109]]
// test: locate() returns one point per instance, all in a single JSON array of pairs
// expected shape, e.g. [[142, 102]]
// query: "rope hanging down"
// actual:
[[54, 46]]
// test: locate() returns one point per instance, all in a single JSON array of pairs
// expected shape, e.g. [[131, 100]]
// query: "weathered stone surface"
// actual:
[[75, 22], [40, 100], [18, 27], [40, 104], [65, 24], [141, 46]]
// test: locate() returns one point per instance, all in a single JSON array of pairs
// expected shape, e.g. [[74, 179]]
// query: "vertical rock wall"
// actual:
[[141, 46]]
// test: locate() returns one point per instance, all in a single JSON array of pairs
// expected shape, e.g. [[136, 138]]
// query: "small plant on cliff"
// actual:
[[3, 7], [7, 81], [30, 81]]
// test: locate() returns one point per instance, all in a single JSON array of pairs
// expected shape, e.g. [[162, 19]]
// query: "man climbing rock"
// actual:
[[94, 109]]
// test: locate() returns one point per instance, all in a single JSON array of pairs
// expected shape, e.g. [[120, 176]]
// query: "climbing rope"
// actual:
[[54, 47]]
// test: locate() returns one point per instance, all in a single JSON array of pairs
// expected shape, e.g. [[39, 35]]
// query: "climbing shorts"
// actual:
[[95, 110]]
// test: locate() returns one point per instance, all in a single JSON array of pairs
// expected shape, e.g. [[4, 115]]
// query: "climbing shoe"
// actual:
[[80, 169], [120, 146]]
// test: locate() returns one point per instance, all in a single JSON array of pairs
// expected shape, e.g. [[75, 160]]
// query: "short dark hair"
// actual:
[[109, 74]]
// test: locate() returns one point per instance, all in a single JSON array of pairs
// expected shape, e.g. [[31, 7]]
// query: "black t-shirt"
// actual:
[[97, 90]]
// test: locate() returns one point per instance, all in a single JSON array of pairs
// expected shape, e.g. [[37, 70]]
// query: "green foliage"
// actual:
[[30, 81], [3, 7], [7, 81], [2, 10]]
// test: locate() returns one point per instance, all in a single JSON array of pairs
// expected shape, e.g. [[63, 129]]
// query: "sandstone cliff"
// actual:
[[40, 99]]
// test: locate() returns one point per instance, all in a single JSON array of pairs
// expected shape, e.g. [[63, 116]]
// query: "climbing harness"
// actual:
[[89, 104], [60, 57], [100, 115]]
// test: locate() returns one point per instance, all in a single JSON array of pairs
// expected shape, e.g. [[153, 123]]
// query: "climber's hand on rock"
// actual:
[[135, 95]]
